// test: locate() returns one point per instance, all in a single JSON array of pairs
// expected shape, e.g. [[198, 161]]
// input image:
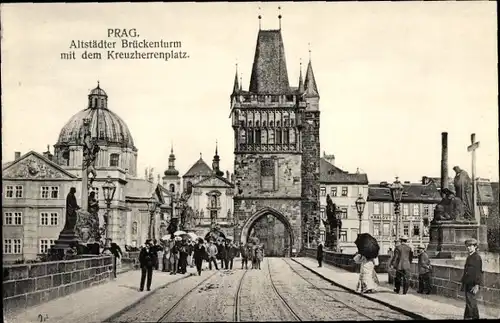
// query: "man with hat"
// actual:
[[401, 263], [472, 279], [147, 260], [424, 271]]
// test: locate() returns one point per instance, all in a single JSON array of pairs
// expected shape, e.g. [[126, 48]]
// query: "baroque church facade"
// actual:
[[276, 146], [35, 185]]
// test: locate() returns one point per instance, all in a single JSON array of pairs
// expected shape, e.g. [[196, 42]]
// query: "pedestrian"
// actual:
[[174, 256], [258, 256], [244, 255], [212, 255], [222, 252], [319, 253], [183, 255], [471, 280], [424, 271], [147, 261], [156, 249], [198, 255], [368, 280], [166, 257], [230, 254], [401, 263], [190, 253]]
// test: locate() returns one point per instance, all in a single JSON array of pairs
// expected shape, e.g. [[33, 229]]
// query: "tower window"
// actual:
[[278, 136], [286, 136], [172, 188], [114, 160], [267, 175], [250, 137], [257, 136]]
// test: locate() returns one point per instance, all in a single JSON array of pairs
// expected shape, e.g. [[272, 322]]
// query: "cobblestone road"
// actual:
[[281, 291]]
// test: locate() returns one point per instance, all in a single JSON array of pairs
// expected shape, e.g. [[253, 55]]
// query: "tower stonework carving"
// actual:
[[276, 145]]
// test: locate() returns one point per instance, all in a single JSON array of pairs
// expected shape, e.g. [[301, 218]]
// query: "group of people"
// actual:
[[179, 253]]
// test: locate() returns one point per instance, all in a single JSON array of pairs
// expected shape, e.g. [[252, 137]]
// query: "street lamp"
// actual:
[[152, 206], [338, 217], [397, 194], [108, 190], [360, 206]]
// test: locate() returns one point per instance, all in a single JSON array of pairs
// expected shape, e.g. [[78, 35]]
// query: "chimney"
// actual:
[[407, 182], [444, 160], [329, 158], [424, 180], [17, 155]]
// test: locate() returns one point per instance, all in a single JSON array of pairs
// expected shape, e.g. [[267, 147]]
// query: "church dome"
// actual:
[[104, 124]]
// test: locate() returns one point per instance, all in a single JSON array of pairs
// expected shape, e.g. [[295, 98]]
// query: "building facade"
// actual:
[[276, 145], [35, 185], [344, 189], [416, 212]]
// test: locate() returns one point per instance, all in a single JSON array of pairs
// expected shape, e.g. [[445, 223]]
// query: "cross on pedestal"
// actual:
[[472, 149]]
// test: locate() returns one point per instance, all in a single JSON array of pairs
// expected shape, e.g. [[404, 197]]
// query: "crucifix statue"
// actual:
[[472, 149]]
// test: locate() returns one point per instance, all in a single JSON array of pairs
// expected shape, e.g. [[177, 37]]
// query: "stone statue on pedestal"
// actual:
[[71, 208], [90, 150], [450, 208], [463, 189]]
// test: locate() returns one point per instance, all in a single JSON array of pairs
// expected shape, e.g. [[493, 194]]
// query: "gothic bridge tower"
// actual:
[[276, 146]]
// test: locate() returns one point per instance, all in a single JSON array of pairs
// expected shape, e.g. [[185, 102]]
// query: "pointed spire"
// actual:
[[98, 86], [301, 81], [236, 86], [311, 90], [172, 147], [260, 19], [171, 163], [200, 156], [216, 146], [241, 82], [279, 17]]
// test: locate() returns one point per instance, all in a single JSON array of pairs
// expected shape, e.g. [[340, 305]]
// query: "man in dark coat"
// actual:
[[401, 263], [319, 254], [471, 280], [147, 261], [221, 252], [424, 271], [156, 248], [183, 255], [230, 254], [244, 255], [198, 255]]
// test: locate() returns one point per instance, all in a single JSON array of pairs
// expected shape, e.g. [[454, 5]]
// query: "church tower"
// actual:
[[171, 180], [276, 145], [216, 163]]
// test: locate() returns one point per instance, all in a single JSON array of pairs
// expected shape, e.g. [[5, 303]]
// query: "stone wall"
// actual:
[[446, 278], [31, 284]]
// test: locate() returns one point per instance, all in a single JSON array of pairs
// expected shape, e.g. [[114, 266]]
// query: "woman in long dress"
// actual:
[[368, 279]]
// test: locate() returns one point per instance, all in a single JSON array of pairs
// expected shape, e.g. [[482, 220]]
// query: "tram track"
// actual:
[[237, 299], [288, 307], [179, 301]]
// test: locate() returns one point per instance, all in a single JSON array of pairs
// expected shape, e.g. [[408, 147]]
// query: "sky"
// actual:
[[391, 76]]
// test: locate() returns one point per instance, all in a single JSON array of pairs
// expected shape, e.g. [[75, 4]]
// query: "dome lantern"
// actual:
[[98, 99]]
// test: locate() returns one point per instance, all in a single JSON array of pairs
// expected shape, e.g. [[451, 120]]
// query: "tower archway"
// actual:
[[262, 213]]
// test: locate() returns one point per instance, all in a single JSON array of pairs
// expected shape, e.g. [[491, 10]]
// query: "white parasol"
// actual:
[[166, 237], [192, 235], [179, 233]]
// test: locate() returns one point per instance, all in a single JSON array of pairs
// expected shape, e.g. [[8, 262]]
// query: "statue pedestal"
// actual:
[[447, 238]]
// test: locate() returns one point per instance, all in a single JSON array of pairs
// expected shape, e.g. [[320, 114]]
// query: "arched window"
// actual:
[[286, 136], [257, 136], [172, 188], [213, 201], [271, 123], [264, 123], [250, 123], [277, 123], [134, 228], [250, 137], [257, 123], [114, 160], [278, 136]]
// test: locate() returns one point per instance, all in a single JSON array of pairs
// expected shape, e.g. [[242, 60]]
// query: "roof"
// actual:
[[200, 168], [330, 174], [413, 192], [269, 73], [214, 181], [143, 189], [9, 165], [311, 90]]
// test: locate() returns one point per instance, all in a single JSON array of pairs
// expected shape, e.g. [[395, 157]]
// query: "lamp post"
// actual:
[[360, 206], [397, 193], [108, 190], [338, 216], [152, 206]]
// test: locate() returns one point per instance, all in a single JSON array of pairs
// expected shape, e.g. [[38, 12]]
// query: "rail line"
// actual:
[[237, 312], [325, 293], [290, 309], [165, 315]]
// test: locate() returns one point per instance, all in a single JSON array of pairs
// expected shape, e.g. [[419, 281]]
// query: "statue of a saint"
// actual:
[[90, 150], [463, 188], [71, 208], [451, 208], [229, 215]]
